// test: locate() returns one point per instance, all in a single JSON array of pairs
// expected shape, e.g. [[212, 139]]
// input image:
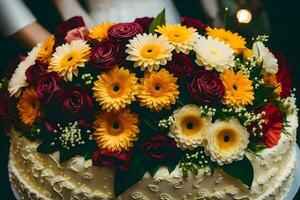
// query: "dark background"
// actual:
[[281, 19]]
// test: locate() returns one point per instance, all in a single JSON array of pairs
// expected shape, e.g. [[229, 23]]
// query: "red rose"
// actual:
[[124, 31], [5, 105], [283, 76], [181, 65], [62, 30], [273, 127], [194, 23], [144, 22], [159, 147], [48, 85], [207, 87], [76, 103], [34, 72], [119, 161], [81, 33], [107, 54]]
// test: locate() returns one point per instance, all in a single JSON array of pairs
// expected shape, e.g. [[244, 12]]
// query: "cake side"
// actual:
[[41, 176]]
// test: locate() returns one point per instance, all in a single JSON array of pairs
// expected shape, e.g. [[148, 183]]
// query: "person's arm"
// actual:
[[71, 8], [17, 21]]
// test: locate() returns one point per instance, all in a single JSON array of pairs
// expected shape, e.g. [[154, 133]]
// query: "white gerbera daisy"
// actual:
[[68, 57], [182, 37], [213, 53], [226, 141], [149, 51], [188, 127], [18, 79], [270, 64]]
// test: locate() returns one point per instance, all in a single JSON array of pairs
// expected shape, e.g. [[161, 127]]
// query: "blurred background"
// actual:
[[279, 19]]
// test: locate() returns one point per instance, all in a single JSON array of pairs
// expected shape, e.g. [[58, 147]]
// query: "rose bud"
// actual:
[[144, 22], [120, 161], [107, 54], [206, 87], [34, 72], [48, 85], [76, 103], [159, 147], [181, 65], [124, 31], [81, 33], [194, 23]]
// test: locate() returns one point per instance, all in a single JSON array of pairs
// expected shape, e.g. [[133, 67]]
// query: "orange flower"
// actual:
[[29, 107]]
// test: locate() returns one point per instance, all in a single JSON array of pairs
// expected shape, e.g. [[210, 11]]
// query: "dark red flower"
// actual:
[[283, 76], [194, 23], [181, 65], [124, 31], [62, 30], [206, 87], [76, 103], [273, 127], [48, 85], [144, 22], [34, 72], [5, 105], [120, 161], [107, 54], [159, 147], [81, 33]]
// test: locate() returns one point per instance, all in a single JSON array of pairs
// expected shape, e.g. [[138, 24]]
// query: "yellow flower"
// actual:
[[158, 90], [270, 80], [236, 42], [116, 131], [188, 128], [149, 51], [226, 141], [29, 107], [46, 50], [115, 89], [238, 88], [68, 57], [181, 37], [99, 32]]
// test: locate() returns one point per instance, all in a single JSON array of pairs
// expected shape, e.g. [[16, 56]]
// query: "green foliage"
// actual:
[[242, 170], [159, 20]]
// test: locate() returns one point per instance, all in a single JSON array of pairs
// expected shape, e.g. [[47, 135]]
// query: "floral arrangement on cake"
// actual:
[[140, 95]]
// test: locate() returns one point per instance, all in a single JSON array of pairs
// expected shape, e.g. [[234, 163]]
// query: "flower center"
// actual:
[[226, 139], [116, 125], [234, 87], [191, 125], [116, 88], [157, 87], [150, 51]]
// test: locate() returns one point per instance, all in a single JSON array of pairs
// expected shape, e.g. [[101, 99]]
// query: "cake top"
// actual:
[[140, 95]]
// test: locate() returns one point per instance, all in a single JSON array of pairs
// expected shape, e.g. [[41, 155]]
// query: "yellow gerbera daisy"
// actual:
[[189, 128], [238, 88], [158, 90], [29, 107], [46, 50], [149, 51], [116, 131], [68, 57], [236, 42], [226, 141], [99, 32], [115, 89], [181, 37]]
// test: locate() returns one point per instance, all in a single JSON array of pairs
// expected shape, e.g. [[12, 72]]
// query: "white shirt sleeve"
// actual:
[[14, 15]]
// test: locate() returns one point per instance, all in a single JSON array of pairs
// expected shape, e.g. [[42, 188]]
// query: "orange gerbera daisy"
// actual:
[[29, 107]]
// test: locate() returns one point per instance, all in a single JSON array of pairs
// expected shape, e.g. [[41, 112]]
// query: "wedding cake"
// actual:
[[149, 110]]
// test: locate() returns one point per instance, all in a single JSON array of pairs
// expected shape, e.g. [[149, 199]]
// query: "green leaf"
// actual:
[[151, 124], [172, 165], [47, 147], [125, 179], [242, 170], [159, 20], [261, 94]]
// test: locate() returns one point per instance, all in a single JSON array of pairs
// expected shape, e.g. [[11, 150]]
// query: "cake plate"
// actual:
[[289, 196]]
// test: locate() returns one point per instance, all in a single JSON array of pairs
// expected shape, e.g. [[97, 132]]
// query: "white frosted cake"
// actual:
[[39, 176]]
